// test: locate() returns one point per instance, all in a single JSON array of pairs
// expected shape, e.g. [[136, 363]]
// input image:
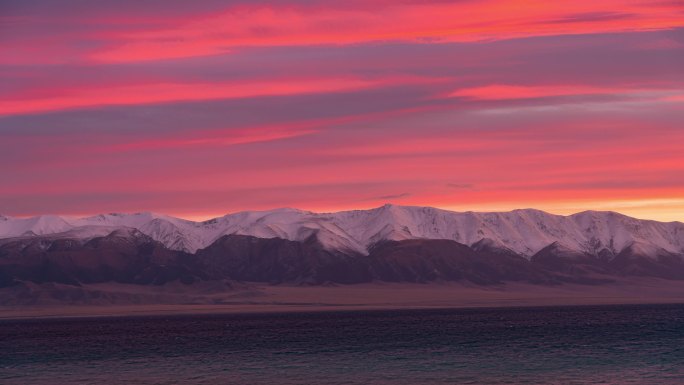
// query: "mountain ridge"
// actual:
[[524, 231], [386, 244]]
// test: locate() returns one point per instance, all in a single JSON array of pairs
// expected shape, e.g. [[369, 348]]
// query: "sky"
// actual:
[[202, 108]]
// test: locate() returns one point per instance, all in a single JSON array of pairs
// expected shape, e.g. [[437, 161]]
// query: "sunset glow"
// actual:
[[198, 109]]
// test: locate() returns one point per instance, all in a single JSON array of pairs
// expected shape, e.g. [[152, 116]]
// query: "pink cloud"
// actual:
[[249, 26], [170, 92], [503, 91]]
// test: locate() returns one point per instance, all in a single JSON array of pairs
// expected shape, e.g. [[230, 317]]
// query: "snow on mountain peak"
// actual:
[[44, 224], [524, 231]]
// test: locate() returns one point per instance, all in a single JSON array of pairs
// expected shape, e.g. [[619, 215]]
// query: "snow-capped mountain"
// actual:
[[524, 232], [40, 225]]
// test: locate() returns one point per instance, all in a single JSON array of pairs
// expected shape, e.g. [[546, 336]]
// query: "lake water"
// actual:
[[564, 345]]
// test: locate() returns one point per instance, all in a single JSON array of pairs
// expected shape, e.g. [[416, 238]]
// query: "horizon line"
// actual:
[[209, 217]]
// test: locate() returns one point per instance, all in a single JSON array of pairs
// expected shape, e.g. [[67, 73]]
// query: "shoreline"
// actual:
[[261, 299], [180, 310]]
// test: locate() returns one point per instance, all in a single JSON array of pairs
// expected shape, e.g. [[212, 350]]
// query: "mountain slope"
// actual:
[[127, 256]]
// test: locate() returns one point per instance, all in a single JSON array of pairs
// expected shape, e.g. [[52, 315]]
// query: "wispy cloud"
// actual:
[[165, 92], [460, 185], [389, 197]]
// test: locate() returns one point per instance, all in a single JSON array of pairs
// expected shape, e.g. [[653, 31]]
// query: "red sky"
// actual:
[[202, 108]]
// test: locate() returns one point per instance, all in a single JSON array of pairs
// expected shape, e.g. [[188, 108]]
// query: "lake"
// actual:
[[551, 345]]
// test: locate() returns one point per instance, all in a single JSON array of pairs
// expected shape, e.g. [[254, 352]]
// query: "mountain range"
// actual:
[[388, 243]]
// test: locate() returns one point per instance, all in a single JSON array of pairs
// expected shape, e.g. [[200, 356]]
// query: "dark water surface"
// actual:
[[564, 345]]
